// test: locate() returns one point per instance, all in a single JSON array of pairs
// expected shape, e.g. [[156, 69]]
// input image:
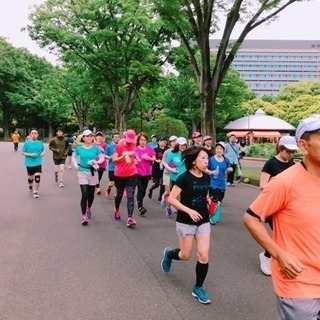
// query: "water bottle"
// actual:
[[217, 174]]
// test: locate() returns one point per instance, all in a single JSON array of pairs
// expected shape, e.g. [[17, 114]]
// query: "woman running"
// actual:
[[125, 174], [217, 168], [145, 157], [103, 165], [192, 224], [85, 159]]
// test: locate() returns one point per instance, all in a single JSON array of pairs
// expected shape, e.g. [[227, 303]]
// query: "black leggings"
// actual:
[[87, 197], [128, 183], [231, 174], [100, 174], [142, 184], [156, 183]]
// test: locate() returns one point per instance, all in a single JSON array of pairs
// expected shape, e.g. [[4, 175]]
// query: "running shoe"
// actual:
[[168, 212], [98, 191], [131, 222], [88, 213], [108, 192], [55, 177], [164, 200], [142, 211], [150, 194], [201, 294], [265, 264], [35, 194], [166, 262], [173, 209], [84, 220], [60, 185], [117, 215], [30, 189]]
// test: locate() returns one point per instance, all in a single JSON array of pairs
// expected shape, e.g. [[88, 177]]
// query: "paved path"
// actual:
[[54, 268]]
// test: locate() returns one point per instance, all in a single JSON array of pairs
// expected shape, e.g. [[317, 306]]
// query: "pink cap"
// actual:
[[196, 134], [206, 138], [130, 136]]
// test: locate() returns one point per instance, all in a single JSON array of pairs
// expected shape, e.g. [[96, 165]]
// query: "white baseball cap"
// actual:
[[181, 141], [87, 132], [173, 138], [288, 142], [309, 124]]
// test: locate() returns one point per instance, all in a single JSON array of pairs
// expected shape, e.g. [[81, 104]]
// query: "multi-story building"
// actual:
[[269, 65]]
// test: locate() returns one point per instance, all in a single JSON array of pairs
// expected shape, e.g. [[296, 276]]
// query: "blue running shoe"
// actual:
[[168, 212], [201, 294], [166, 262], [88, 213]]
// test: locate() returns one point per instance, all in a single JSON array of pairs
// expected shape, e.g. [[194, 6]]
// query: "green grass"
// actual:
[[251, 173]]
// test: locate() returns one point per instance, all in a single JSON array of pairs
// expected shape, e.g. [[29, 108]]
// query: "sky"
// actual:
[[300, 21]]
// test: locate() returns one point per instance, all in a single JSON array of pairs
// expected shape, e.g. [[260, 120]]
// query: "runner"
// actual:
[[71, 142], [175, 165], [33, 151], [192, 223], [207, 144], [102, 165], [217, 168], [196, 139], [153, 142], [59, 146], [125, 174], [85, 159], [157, 169], [145, 157], [15, 139], [286, 147], [109, 155], [166, 176]]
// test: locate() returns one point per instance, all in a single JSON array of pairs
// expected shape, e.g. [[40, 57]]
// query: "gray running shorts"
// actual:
[[189, 230], [85, 178], [298, 309]]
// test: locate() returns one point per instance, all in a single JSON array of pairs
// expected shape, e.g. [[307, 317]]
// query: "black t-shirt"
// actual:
[[156, 170], [274, 166], [193, 195]]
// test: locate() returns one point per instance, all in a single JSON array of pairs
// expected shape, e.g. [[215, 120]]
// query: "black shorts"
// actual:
[[32, 170], [111, 175], [57, 162]]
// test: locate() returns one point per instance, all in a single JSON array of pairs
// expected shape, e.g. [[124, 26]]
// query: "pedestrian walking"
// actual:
[[285, 148], [145, 156], [125, 174], [33, 151], [192, 224], [109, 152], [207, 144], [292, 199], [59, 146], [232, 153], [85, 159]]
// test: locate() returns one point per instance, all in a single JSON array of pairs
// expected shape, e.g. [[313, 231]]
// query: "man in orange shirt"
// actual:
[[292, 198]]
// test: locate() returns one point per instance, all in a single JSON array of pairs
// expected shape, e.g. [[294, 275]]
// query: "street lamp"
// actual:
[[127, 86]]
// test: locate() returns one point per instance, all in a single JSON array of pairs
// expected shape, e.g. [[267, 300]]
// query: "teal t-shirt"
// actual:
[[175, 159], [85, 155], [31, 146]]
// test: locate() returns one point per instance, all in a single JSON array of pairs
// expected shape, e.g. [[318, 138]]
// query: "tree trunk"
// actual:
[[6, 123], [208, 125], [120, 121]]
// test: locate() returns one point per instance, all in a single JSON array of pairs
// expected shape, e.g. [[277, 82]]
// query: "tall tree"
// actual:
[[120, 43], [195, 21]]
